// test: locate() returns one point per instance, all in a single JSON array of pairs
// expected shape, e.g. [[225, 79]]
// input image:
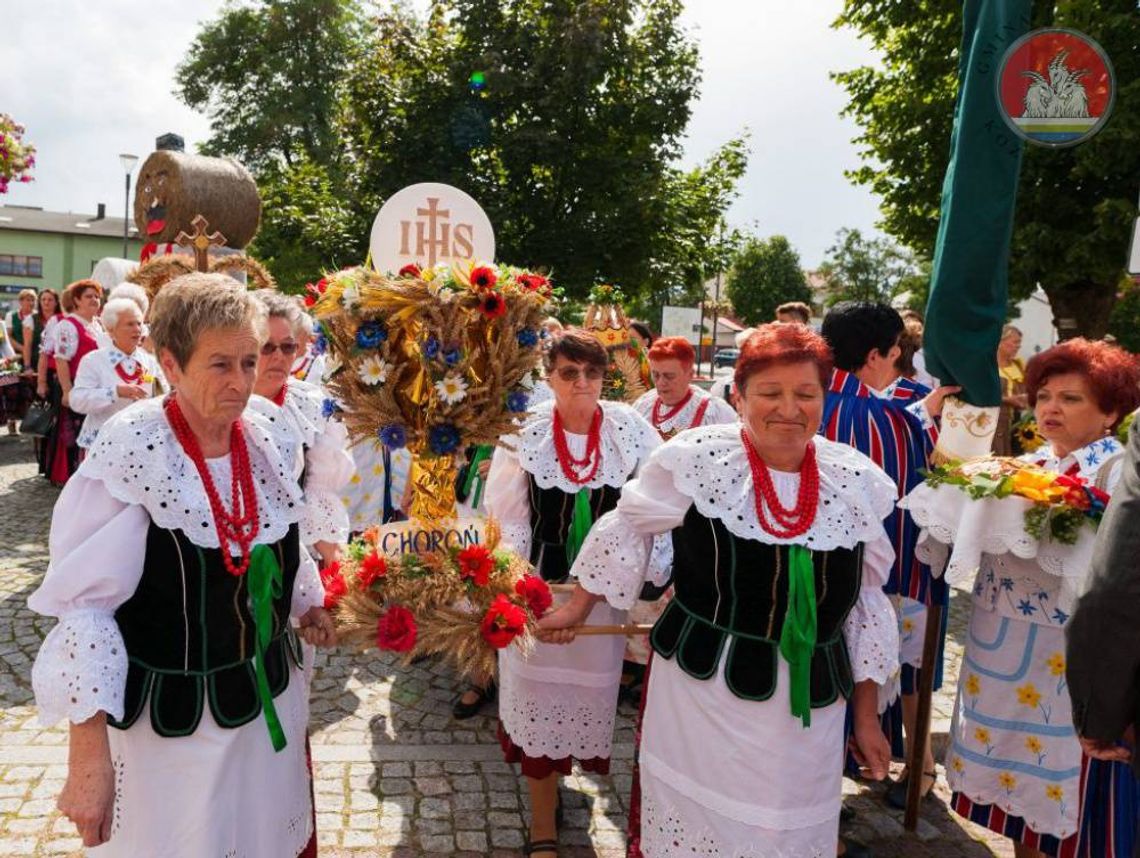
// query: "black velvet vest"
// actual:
[[190, 636], [551, 511], [731, 594]]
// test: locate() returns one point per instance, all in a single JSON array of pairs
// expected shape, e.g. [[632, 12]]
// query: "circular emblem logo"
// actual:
[[427, 224], [1056, 87]]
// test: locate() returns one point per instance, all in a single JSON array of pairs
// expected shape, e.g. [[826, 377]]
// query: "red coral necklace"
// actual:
[[659, 418], [133, 377], [279, 396], [571, 467], [240, 526], [788, 523]]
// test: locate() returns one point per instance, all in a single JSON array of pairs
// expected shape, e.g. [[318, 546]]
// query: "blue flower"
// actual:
[[1092, 458], [393, 436], [431, 347], [328, 408], [452, 356], [1007, 584], [528, 338], [443, 439], [517, 400], [1026, 608], [320, 343], [370, 334], [1059, 616]]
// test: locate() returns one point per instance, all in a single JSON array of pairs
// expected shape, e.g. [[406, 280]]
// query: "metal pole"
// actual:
[[716, 305], [126, 213], [701, 333]]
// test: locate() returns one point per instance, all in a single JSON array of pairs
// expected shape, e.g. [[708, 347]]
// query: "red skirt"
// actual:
[[542, 767]]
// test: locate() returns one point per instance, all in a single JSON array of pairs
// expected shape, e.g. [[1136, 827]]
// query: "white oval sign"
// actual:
[[427, 224]]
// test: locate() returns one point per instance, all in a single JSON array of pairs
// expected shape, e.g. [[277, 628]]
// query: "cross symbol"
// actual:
[[200, 241]]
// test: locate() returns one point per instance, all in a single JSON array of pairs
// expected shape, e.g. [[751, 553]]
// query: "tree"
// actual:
[[861, 269], [563, 119], [1074, 206], [268, 76], [765, 274]]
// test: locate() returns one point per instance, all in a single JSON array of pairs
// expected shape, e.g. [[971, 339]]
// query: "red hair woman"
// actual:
[[675, 404], [768, 515]]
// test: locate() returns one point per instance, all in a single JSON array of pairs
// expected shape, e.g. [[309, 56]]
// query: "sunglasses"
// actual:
[[287, 349], [571, 374]]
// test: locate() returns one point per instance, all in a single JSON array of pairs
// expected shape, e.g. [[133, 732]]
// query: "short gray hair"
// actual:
[[190, 305], [278, 306], [115, 308], [133, 292]]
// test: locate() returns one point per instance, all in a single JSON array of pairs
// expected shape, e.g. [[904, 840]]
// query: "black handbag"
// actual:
[[39, 420]]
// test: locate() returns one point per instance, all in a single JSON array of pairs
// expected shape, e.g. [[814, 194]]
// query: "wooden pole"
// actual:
[[631, 629], [918, 741]]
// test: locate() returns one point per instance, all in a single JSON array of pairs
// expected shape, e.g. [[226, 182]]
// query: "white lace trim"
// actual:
[[556, 721], [613, 562], [516, 536], [308, 591], [718, 411], [140, 462], [872, 635], [81, 669], [325, 519], [668, 832], [710, 465], [305, 404], [626, 440]]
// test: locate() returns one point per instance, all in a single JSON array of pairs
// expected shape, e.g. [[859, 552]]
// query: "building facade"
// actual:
[[48, 250]]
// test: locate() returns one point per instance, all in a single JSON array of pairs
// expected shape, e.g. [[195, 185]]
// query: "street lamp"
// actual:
[[128, 161]]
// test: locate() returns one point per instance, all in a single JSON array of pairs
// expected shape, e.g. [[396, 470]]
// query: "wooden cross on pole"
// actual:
[[200, 241]]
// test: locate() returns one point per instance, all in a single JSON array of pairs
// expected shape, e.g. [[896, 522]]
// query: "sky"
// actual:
[[97, 79]]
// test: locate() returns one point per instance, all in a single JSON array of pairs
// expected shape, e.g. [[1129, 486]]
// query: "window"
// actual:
[[21, 266]]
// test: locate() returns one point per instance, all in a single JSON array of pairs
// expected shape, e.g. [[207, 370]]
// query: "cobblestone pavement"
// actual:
[[395, 775]]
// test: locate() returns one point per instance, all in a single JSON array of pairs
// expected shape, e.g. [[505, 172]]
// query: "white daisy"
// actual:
[[451, 388], [350, 297], [373, 370]]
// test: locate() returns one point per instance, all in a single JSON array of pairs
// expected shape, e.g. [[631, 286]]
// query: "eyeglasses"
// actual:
[[287, 349], [571, 374]]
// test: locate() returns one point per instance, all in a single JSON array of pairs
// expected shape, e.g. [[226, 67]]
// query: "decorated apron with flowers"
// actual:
[[1014, 758]]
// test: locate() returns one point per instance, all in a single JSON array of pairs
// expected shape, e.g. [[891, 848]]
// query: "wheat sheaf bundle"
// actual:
[[435, 360], [461, 604]]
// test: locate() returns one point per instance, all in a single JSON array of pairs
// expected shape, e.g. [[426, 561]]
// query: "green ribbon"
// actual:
[[265, 585], [580, 524], [798, 637], [482, 454]]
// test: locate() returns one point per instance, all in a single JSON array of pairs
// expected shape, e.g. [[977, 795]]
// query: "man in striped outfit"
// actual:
[[891, 420]]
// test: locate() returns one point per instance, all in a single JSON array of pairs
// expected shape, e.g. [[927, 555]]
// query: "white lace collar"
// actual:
[[710, 465], [138, 459], [626, 441], [1088, 459], [683, 419], [305, 406]]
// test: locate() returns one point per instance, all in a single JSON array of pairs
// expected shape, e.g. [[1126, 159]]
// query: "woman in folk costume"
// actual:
[[778, 615], [568, 465], [75, 338], [176, 572], [327, 464], [113, 377], [1015, 762], [675, 404]]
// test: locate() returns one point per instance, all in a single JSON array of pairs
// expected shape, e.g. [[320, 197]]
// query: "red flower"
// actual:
[[536, 593], [334, 583], [533, 282], [410, 270], [476, 563], [492, 306], [322, 285], [310, 300], [373, 566], [503, 622], [1098, 494], [396, 629], [484, 277]]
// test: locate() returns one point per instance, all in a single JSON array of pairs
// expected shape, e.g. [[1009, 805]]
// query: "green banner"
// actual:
[[970, 280]]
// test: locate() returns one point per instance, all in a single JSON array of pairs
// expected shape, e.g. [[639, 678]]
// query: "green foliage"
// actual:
[[765, 274], [866, 269], [1124, 323], [563, 119], [1074, 207], [267, 73]]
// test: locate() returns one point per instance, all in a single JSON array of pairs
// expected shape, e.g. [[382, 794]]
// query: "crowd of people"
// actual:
[[207, 482]]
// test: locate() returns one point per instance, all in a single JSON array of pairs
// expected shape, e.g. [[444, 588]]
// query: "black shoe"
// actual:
[[855, 850], [896, 795], [462, 711], [540, 846]]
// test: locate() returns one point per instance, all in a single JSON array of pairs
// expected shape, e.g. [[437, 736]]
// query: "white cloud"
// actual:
[[97, 79]]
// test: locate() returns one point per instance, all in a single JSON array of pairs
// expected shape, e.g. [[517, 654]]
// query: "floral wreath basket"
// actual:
[[434, 360]]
